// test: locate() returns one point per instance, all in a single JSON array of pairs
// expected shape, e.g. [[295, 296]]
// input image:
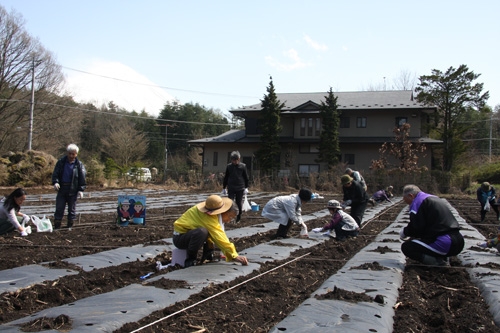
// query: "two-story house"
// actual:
[[367, 120]]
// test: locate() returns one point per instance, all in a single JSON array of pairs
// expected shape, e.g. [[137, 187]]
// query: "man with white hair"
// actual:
[[68, 179]]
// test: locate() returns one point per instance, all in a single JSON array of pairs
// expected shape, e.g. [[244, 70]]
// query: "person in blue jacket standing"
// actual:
[[68, 179]]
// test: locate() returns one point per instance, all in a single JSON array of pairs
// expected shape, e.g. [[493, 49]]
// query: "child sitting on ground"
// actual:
[[494, 242]]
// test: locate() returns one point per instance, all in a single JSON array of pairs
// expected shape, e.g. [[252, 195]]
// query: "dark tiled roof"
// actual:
[[346, 100]]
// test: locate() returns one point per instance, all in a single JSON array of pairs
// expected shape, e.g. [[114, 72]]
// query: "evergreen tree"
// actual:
[[453, 94], [328, 150], [268, 155], [184, 122]]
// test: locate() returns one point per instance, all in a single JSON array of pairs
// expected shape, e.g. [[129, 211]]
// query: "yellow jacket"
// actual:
[[193, 219]]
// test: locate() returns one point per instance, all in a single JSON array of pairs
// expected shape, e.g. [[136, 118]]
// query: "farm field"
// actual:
[[430, 299]]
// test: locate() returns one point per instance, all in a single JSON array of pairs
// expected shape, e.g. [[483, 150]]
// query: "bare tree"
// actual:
[[405, 81], [125, 145], [403, 150], [21, 57]]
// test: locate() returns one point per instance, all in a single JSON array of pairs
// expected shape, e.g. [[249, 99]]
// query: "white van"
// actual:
[[140, 174]]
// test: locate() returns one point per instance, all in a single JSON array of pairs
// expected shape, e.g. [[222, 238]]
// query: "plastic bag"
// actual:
[[246, 206], [487, 206], [42, 224], [303, 230]]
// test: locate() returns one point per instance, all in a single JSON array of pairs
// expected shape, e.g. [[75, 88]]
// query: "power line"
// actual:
[[77, 108], [158, 86]]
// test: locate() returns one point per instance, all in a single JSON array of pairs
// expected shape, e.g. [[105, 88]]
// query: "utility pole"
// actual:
[[166, 150], [32, 106], [491, 132]]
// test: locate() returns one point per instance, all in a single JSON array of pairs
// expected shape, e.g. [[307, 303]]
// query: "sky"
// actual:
[[221, 54]]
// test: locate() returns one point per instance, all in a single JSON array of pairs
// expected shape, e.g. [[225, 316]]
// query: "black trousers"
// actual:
[[494, 207], [65, 197], [358, 211], [415, 251], [191, 241], [236, 196], [283, 229]]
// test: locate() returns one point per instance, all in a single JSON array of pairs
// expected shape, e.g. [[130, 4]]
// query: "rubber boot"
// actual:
[[208, 253], [434, 261], [282, 231], [70, 224], [190, 260], [57, 224]]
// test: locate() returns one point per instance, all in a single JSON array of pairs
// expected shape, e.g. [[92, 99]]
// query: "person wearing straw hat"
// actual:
[[486, 195], [354, 196], [433, 233], [202, 225]]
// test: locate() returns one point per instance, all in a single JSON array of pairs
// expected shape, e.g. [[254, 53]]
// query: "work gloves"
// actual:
[[317, 230], [483, 245], [26, 231], [303, 230], [80, 194], [56, 186], [245, 191], [224, 191]]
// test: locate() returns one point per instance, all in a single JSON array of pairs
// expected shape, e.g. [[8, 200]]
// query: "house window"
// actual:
[[400, 121], [302, 126], [306, 169], [345, 122], [216, 158], [361, 122], [349, 159], [309, 127]]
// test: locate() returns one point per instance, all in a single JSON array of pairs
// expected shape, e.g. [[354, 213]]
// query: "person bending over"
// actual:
[[202, 226]]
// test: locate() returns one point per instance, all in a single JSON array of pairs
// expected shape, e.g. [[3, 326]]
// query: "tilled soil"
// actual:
[[430, 300]]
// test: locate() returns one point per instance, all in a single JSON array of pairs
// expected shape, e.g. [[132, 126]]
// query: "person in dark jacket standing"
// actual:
[[354, 196], [357, 177], [236, 181], [486, 193], [433, 229], [68, 179]]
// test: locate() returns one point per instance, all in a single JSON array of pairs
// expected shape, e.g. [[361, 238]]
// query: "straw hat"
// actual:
[[215, 205]]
